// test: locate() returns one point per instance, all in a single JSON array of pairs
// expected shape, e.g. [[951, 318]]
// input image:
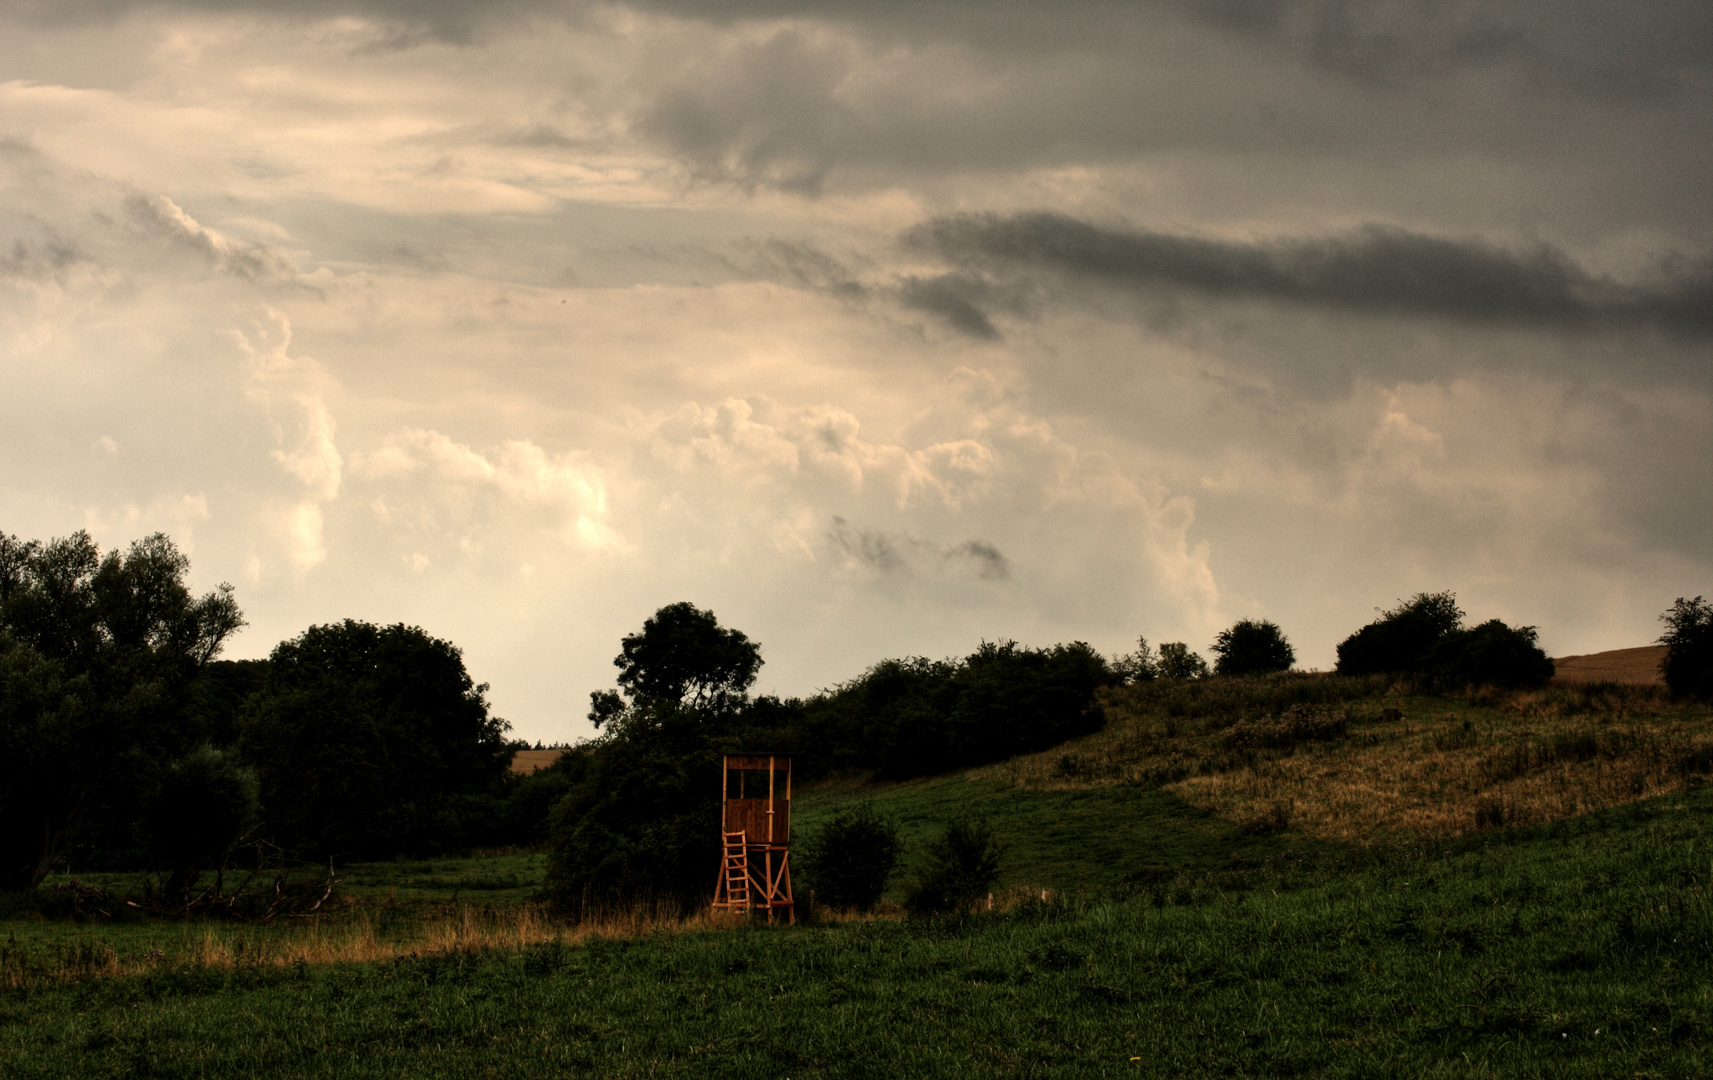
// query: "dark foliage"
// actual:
[[959, 869], [96, 655], [1178, 662], [1400, 640], [682, 654], [371, 741], [1251, 647], [1688, 641], [849, 860], [529, 802], [919, 717], [640, 819], [203, 805], [1492, 654]]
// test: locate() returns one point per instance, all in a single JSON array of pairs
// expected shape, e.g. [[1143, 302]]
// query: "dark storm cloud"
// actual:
[[875, 550], [1378, 270], [953, 297], [890, 554], [1609, 47], [989, 561]]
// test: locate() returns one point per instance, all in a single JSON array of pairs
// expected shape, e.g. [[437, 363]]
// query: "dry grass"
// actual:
[[1338, 770], [354, 939], [1640, 665]]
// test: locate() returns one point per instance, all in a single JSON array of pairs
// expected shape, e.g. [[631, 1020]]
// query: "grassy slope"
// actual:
[[1106, 840], [1583, 948]]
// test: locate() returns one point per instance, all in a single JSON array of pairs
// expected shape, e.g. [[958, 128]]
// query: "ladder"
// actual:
[[736, 870]]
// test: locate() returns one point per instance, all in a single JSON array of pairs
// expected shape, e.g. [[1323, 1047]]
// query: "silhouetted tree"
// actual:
[[1492, 654], [684, 655], [96, 653], [1400, 640], [640, 817], [1251, 647], [372, 741], [1688, 641]]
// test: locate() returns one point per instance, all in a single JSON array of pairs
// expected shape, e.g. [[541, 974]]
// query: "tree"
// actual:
[[1400, 640], [96, 652], [849, 860], [1688, 641], [961, 867], [371, 741], [1143, 665], [1178, 662], [639, 821], [1249, 647], [1492, 654], [683, 655]]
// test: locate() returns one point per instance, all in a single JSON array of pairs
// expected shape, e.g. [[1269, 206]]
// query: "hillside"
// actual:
[[1355, 761], [1639, 666]]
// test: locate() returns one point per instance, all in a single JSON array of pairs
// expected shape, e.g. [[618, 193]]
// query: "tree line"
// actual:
[[126, 742]]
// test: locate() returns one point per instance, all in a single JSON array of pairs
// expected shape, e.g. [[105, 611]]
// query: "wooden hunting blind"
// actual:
[[755, 827]]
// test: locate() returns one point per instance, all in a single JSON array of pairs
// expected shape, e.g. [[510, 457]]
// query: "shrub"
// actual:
[[960, 869], [1688, 641], [1249, 647], [849, 860], [1401, 639], [203, 805], [1177, 662], [1492, 654]]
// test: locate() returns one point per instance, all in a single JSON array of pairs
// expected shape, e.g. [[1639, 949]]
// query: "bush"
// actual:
[[961, 867], [1401, 639], [1492, 654], [1252, 648], [203, 805], [1177, 662], [849, 860], [1688, 641]]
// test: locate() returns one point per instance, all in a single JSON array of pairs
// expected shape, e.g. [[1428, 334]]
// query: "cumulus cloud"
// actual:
[[433, 490], [1375, 269]]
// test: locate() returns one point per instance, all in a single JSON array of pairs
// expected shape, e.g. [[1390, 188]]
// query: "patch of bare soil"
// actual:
[[1639, 666]]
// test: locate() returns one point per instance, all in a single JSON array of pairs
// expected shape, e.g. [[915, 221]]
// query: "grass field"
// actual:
[[1527, 894], [1583, 948]]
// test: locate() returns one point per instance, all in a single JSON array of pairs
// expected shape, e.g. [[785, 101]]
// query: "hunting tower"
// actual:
[[755, 826]]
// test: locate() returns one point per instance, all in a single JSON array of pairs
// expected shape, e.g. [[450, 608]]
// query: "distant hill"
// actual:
[[527, 761], [1639, 666]]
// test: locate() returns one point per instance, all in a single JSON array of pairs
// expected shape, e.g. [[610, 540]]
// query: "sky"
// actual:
[[877, 328]]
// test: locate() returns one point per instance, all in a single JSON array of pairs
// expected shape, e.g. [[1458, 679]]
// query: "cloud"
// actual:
[[886, 553], [256, 262], [1375, 269], [432, 490], [953, 297]]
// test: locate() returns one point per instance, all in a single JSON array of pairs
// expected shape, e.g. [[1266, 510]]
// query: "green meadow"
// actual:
[[1173, 945]]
